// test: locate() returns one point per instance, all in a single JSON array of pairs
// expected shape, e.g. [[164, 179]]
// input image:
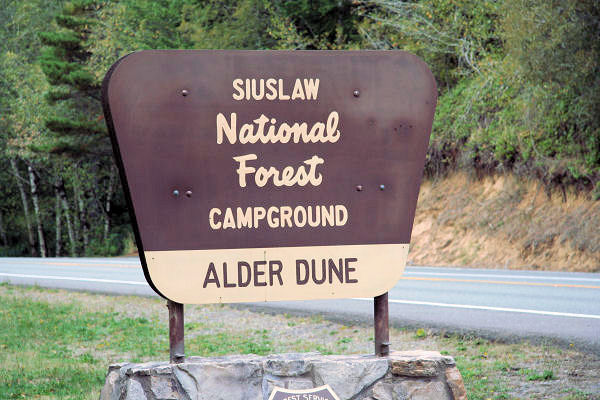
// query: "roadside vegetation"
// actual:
[[518, 81], [58, 344]]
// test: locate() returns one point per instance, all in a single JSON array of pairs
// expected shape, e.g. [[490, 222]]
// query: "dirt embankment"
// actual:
[[504, 222]]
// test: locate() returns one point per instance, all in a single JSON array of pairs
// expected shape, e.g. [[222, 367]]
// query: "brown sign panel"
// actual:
[[270, 175], [319, 393]]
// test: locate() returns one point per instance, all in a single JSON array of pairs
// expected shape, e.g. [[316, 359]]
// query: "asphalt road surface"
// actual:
[[559, 306]]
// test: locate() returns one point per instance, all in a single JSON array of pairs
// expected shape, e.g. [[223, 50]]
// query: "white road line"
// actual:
[[71, 278], [74, 262], [473, 307], [410, 302], [411, 270], [556, 278]]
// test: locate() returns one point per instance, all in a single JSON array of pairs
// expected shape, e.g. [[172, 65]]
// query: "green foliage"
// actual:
[[16, 250], [451, 36], [52, 96], [64, 61], [555, 54], [232, 24], [86, 128], [420, 333], [68, 40], [68, 22], [538, 376], [110, 247], [324, 24], [261, 24], [154, 22], [126, 26], [518, 81]]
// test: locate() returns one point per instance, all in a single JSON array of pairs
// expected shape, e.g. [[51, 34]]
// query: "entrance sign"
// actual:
[[270, 175]]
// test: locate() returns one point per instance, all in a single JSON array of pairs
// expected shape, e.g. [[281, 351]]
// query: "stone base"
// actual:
[[402, 375]]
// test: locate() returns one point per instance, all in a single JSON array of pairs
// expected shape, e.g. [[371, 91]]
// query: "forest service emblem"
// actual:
[[318, 393]]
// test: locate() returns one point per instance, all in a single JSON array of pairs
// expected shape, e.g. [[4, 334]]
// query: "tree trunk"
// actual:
[[57, 224], [340, 27], [82, 213], [60, 187], [36, 210], [109, 194], [3, 231], [83, 223], [20, 180]]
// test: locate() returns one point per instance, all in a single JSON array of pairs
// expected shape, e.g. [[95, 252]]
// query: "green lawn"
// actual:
[[51, 350]]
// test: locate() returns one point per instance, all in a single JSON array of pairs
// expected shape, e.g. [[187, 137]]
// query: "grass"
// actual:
[[56, 344], [36, 357], [538, 376], [51, 349]]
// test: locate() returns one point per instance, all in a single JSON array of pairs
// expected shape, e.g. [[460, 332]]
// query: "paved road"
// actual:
[[560, 306]]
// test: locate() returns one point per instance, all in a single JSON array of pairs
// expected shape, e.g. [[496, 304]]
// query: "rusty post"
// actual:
[[382, 326], [176, 342]]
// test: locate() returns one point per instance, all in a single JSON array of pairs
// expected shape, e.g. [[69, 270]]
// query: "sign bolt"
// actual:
[[359, 188], [176, 193], [381, 187], [184, 92], [188, 193], [356, 93]]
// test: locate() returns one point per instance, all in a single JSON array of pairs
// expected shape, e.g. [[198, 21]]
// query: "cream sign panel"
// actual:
[[266, 175]]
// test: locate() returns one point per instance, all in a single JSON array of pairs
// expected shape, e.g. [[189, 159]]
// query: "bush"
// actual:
[[112, 246], [519, 83]]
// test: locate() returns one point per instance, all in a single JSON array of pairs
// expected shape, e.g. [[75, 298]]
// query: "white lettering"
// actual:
[[274, 89], [237, 85], [287, 177], [298, 92], [272, 95], [229, 129], [259, 213], [264, 130], [229, 221], [279, 216], [282, 96], [211, 218], [244, 218], [261, 93], [311, 88], [273, 221], [243, 170]]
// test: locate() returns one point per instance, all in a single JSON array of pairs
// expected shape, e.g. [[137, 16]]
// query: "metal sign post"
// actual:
[[176, 341], [382, 327]]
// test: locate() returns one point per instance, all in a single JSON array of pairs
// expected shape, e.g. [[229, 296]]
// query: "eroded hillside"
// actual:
[[504, 222]]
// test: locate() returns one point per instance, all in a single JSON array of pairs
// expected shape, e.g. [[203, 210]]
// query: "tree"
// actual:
[[324, 24], [122, 27], [229, 24], [79, 131], [19, 119], [554, 52], [262, 24], [453, 38]]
